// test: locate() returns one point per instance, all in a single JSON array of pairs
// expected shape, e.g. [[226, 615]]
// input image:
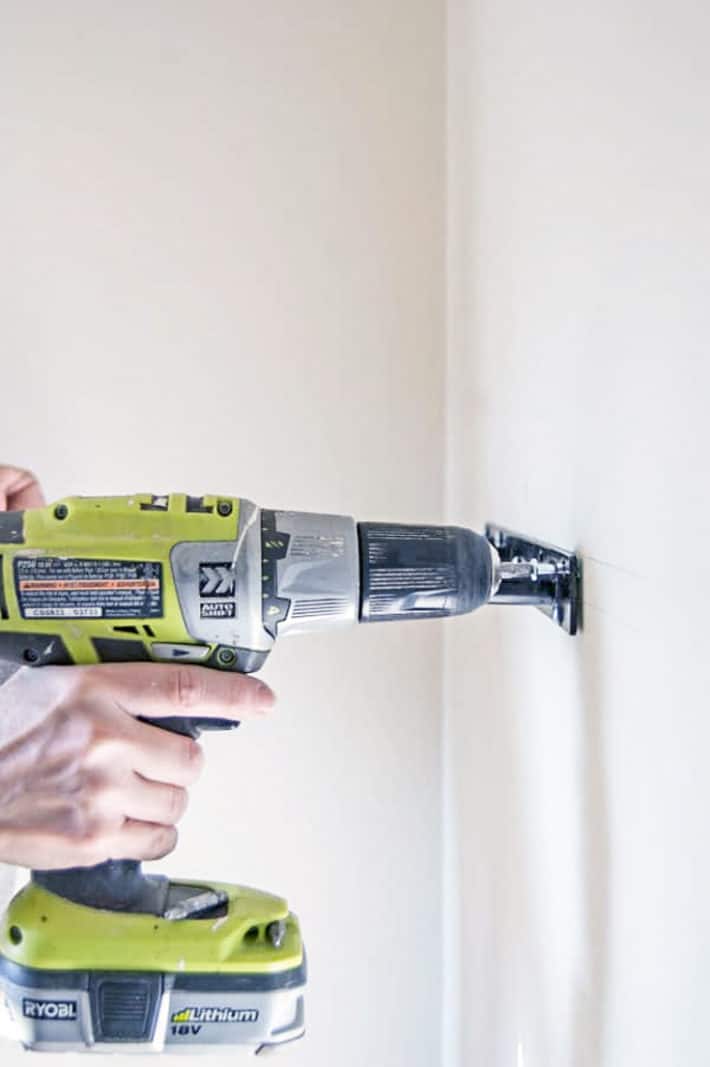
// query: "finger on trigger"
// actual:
[[152, 690]]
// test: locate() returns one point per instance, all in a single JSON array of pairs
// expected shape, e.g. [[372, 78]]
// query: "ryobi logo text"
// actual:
[[215, 1015], [49, 1009]]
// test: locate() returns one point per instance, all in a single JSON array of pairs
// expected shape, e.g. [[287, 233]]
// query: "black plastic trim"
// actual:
[[115, 650], [4, 613], [197, 504], [114, 885], [34, 650], [247, 983], [36, 978], [243, 660], [12, 527]]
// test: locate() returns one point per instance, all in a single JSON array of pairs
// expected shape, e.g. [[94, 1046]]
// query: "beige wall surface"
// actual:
[[222, 270], [577, 862]]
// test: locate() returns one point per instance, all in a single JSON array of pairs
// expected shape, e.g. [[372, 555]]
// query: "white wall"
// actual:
[[578, 875], [222, 234]]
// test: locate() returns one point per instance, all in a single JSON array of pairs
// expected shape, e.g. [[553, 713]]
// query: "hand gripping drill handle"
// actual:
[[121, 885], [404, 572]]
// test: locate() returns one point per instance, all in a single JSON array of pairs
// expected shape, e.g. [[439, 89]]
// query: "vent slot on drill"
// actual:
[[4, 614], [125, 1008], [196, 505], [303, 609], [157, 503]]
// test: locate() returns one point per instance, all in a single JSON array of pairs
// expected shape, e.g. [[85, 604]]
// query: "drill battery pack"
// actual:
[[223, 966]]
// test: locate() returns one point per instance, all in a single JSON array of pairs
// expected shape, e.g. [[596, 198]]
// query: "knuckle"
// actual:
[[193, 759], [162, 841], [177, 803], [104, 750], [97, 841], [94, 793], [95, 799], [187, 688], [186, 762]]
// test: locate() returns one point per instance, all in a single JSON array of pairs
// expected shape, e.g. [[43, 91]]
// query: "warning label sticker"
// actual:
[[53, 588]]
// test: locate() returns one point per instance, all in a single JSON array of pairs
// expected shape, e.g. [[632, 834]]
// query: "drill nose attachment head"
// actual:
[[434, 571], [532, 572]]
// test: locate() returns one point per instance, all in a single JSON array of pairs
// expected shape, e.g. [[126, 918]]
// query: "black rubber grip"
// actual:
[[415, 572], [190, 726], [116, 885]]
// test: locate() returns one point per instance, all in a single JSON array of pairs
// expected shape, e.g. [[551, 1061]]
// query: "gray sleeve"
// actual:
[[7, 670]]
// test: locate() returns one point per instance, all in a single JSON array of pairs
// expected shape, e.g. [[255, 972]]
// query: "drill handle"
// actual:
[[190, 726]]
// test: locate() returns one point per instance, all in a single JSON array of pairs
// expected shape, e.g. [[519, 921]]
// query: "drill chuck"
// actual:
[[416, 572]]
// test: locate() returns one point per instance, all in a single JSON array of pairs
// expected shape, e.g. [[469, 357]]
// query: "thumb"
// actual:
[[19, 489]]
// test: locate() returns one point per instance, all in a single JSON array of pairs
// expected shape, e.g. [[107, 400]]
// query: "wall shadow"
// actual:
[[589, 1011]]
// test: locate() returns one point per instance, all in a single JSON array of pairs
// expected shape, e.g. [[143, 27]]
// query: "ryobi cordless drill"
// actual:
[[108, 958]]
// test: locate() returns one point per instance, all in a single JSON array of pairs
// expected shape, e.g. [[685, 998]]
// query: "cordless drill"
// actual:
[[111, 959]]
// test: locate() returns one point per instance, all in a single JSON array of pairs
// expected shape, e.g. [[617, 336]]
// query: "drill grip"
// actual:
[[190, 726]]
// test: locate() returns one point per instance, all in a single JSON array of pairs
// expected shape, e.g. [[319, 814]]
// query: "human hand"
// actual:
[[89, 782], [19, 490]]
